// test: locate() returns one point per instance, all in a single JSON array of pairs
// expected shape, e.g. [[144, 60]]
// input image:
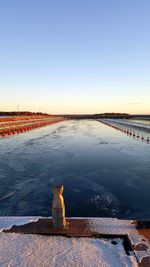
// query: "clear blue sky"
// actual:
[[75, 56]]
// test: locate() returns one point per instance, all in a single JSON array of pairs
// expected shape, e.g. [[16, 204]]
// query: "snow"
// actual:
[[129, 123], [8, 222], [113, 226], [22, 250], [33, 250]]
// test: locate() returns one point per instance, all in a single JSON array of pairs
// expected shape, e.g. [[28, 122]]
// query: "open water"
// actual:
[[104, 172]]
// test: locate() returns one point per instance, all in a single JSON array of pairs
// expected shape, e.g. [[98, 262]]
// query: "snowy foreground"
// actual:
[[31, 250], [19, 250]]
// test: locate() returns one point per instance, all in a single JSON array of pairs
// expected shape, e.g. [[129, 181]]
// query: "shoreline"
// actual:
[[20, 124]]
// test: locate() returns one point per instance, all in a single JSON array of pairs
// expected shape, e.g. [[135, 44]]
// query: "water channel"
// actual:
[[104, 172]]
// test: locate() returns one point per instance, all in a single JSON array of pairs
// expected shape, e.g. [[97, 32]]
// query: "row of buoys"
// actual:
[[127, 131], [14, 123], [22, 129], [25, 128]]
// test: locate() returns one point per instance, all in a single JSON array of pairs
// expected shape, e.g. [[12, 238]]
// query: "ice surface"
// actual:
[[131, 123], [93, 162]]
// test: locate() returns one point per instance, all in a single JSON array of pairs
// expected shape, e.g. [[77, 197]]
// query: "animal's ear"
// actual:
[[62, 189]]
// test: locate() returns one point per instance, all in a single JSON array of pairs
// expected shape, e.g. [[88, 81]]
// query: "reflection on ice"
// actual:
[[104, 172]]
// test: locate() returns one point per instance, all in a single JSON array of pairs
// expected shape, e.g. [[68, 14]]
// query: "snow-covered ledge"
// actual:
[[104, 242]]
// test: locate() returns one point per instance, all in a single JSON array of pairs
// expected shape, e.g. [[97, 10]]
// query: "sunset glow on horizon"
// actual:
[[68, 57]]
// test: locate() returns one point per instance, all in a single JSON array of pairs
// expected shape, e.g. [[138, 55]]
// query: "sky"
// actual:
[[75, 56]]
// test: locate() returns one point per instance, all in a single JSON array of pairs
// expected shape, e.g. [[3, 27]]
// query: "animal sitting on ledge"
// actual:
[[58, 207]]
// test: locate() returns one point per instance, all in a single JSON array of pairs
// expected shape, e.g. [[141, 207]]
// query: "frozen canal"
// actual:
[[105, 173]]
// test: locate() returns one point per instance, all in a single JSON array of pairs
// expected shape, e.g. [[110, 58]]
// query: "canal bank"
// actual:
[[19, 124]]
